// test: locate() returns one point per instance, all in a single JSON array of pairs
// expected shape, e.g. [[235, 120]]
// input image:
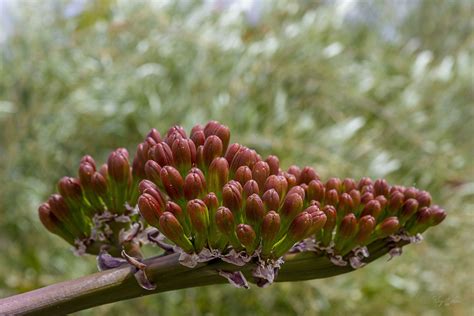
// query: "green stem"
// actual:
[[168, 274]]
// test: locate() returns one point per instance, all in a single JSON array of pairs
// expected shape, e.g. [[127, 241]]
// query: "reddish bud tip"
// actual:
[[246, 235], [348, 185], [99, 184], [366, 198], [70, 188], [278, 183], [298, 189], [331, 198], [172, 182], [346, 205], [244, 157], [437, 215], [155, 135], [334, 184], [348, 226], [145, 184], [300, 226], [250, 187], [274, 164], [88, 160], [194, 185], [218, 174], [260, 172], [198, 213], [388, 227], [254, 209], [232, 151], [292, 205], [271, 200], [409, 209], [225, 220], [162, 154], [372, 208], [381, 187], [219, 130], [118, 165], [150, 209], [86, 170], [307, 175], [423, 198], [316, 190], [270, 226], [243, 174], [212, 148], [331, 217], [152, 171], [366, 227], [232, 197], [184, 153], [396, 201], [364, 182]]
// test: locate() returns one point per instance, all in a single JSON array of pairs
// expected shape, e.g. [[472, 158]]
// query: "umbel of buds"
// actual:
[[210, 196]]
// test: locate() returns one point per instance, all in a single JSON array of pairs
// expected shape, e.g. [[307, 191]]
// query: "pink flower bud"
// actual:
[[70, 189], [366, 227], [243, 174], [232, 151], [381, 187], [99, 184], [88, 160], [331, 217], [388, 227], [219, 130], [423, 198], [271, 200], [348, 227], [298, 190], [246, 235], [145, 184], [213, 148], [225, 220], [184, 154], [437, 215], [296, 171], [410, 193], [372, 208], [150, 209], [363, 182], [348, 185], [162, 154], [155, 135], [331, 198], [198, 213], [395, 202], [307, 175], [171, 228], [278, 183], [86, 170], [292, 206], [274, 164], [218, 174], [270, 226], [316, 190], [250, 187], [334, 184], [260, 172], [172, 182], [408, 210], [194, 185], [290, 179], [152, 171], [118, 166], [232, 197], [197, 135], [346, 205], [356, 198], [244, 157], [366, 198], [254, 209], [382, 200], [300, 226]]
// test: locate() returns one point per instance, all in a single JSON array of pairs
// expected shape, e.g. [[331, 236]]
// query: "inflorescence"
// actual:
[[213, 200]]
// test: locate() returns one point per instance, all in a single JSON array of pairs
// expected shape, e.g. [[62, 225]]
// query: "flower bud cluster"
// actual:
[[203, 193], [94, 209]]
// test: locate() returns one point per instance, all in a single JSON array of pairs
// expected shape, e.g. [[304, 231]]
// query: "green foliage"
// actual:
[[349, 100]]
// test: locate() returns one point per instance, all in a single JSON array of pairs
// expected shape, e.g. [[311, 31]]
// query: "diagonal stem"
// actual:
[[168, 274]]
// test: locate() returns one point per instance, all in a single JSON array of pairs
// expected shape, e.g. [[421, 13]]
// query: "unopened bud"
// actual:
[[387, 227], [119, 168], [331, 198], [423, 198], [150, 209], [270, 226], [213, 148], [99, 185], [197, 135], [155, 135], [366, 198], [437, 215], [243, 174], [152, 171], [184, 154], [395, 202], [296, 171], [348, 226], [363, 182], [298, 190], [225, 220], [271, 200], [410, 193], [278, 183], [232, 197], [232, 151], [292, 206], [70, 189], [89, 160], [408, 210], [219, 130], [86, 170], [334, 184], [244, 157], [198, 213], [372, 208], [172, 182], [162, 154], [346, 205], [318, 221], [381, 187], [171, 228], [300, 226], [316, 190], [382, 200], [218, 174], [307, 175], [290, 179], [250, 187], [274, 164], [348, 185], [356, 198], [194, 185], [247, 236], [260, 172], [145, 184], [366, 227], [254, 209]]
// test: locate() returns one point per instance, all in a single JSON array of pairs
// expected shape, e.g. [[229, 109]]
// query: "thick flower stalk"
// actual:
[[219, 201]]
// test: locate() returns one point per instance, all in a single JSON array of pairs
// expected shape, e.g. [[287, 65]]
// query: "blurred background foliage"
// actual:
[[352, 88]]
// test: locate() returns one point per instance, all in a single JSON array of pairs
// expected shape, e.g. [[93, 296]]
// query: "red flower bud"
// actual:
[[70, 189], [292, 206], [218, 174], [318, 221], [368, 188], [437, 215], [174, 133], [395, 202], [243, 174], [382, 200], [307, 175], [260, 172], [86, 170], [300, 226], [398, 188], [410, 193], [366, 198], [171, 228], [150, 209], [271, 200], [232, 151], [388, 227], [246, 235], [331, 215], [184, 154], [298, 190], [49, 221], [244, 157], [290, 179], [332, 198], [172, 182], [198, 138], [346, 205], [141, 157], [254, 209], [155, 135], [250, 187], [198, 213], [157, 195], [176, 210], [219, 130], [88, 160], [372, 208], [348, 226], [145, 184], [348, 185], [356, 198], [408, 210], [278, 183], [194, 185], [99, 185], [363, 182], [315, 191], [381, 187], [118, 166], [334, 184], [104, 171], [366, 227], [232, 197], [270, 226], [423, 198], [152, 171], [212, 204], [296, 171], [59, 207], [225, 220], [162, 154], [213, 148], [274, 164]]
